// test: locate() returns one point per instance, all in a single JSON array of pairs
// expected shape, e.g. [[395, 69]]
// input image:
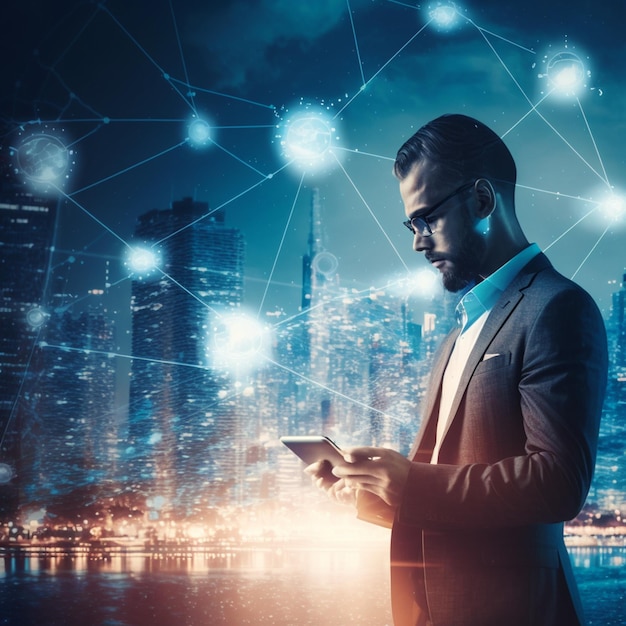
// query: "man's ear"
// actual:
[[486, 198]]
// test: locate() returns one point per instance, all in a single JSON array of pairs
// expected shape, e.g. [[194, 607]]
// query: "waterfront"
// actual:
[[281, 587]]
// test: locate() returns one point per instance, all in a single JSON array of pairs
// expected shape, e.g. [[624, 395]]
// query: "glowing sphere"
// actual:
[[199, 133], [307, 139], [566, 72], [427, 282], [443, 15], [238, 341], [142, 261], [6, 473], [36, 317], [43, 158], [614, 208]]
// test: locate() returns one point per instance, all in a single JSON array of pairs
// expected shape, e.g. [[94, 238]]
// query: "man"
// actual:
[[506, 447]]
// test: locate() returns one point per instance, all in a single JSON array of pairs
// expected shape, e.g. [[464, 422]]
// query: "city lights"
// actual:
[[190, 434]]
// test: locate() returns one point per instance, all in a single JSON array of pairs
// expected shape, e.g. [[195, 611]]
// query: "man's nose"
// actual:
[[420, 243]]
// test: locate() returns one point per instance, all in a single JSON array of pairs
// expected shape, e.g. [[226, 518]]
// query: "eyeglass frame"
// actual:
[[426, 230]]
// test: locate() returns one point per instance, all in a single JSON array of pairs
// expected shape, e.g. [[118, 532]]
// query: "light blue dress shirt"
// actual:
[[472, 312], [482, 297]]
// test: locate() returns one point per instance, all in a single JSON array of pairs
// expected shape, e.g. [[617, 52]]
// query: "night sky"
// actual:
[[119, 83]]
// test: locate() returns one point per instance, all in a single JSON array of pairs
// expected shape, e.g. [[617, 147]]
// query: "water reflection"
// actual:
[[282, 587]]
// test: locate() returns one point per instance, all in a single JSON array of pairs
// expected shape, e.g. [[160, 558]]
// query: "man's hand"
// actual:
[[336, 488], [381, 471]]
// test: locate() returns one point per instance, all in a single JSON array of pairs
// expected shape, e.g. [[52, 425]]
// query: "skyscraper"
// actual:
[[180, 451], [69, 429], [27, 226]]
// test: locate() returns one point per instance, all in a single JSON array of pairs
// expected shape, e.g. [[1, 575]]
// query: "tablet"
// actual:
[[312, 448]]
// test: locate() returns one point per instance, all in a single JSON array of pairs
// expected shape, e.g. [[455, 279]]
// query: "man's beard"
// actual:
[[466, 263]]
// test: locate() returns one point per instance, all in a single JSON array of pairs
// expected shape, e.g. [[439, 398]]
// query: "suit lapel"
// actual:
[[506, 304], [429, 414]]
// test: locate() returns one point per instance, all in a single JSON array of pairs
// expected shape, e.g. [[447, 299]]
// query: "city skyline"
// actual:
[[201, 426], [112, 116], [181, 115]]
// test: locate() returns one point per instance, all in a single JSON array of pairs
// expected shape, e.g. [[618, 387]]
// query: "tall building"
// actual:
[[69, 430], [27, 227], [610, 473], [180, 451]]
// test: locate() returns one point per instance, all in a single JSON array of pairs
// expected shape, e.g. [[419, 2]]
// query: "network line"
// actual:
[[367, 206], [280, 245], [182, 55], [356, 42], [163, 73], [595, 245], [222, 94], [128, 169], [221, 206], [191, 93], [380, 69]]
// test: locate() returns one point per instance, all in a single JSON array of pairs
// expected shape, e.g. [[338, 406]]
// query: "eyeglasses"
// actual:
[[419, 224]]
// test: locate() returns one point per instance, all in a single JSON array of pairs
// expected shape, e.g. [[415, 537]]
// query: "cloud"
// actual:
[[238, 37]]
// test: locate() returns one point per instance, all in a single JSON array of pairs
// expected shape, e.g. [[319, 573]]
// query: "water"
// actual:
[[282, 588]]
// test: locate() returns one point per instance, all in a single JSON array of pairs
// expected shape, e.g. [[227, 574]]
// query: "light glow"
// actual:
[[307, 140], [238, 342], [199, 133], [43, 160], [444, 16], [566, 73], [36, 317], [6, 473], [142, 261], [613, 208]]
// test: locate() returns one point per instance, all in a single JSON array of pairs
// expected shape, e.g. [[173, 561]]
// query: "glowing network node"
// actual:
[[325, 263], [6, 473], [613, 208], [36, 317], [565, 73], [142, 261], [238, 341], [426, 283], [199, 133], [444, 16], [307, 138], [43, 159]]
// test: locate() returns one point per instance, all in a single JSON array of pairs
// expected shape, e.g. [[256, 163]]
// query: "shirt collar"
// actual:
[[482, 297]]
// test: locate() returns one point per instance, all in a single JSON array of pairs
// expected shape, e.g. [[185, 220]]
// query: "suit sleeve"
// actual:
[[557, 394]]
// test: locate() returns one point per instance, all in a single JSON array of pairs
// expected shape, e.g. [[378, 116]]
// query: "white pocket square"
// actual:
[[490, 355]]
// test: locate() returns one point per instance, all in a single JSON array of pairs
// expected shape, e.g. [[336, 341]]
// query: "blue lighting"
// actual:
[[199, 133], [307, 139], [443, 16], [142, 261]]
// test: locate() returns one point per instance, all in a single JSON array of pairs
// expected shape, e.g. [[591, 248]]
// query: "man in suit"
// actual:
[[506, 447]]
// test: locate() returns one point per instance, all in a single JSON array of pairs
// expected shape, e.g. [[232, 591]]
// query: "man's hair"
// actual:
[[459, 147]]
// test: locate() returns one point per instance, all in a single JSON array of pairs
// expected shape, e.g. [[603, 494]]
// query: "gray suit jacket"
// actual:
[[478, 539]]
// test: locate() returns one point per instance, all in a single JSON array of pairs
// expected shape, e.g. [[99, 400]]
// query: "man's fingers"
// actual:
[[354, 455]]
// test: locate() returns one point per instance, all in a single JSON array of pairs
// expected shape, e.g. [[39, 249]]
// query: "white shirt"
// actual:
[[473, 309]]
